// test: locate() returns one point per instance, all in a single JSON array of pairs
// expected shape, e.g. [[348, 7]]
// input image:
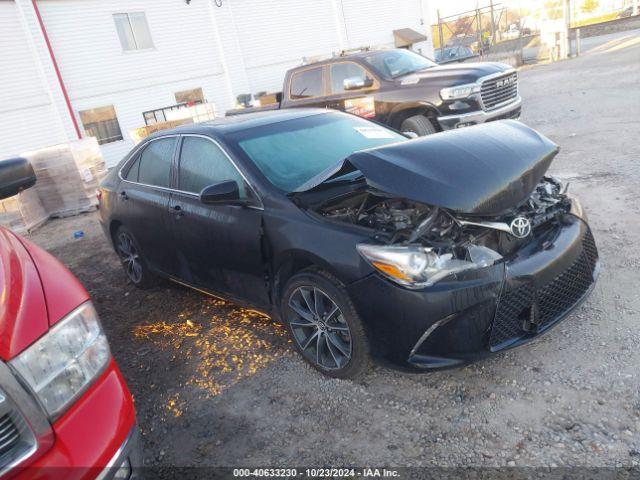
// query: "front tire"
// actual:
[[418, 124], [133, 262], [324, 325]]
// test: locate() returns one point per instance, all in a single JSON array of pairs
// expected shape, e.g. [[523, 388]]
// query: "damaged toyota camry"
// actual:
[[421, 253]]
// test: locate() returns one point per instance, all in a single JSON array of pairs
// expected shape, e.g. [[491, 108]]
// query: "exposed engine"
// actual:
[[398, 221], [546, 201]]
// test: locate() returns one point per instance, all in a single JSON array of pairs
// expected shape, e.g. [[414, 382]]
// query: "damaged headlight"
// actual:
[[459, 91], [415, 266]]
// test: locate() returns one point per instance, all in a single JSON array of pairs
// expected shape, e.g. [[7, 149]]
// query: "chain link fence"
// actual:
[[498, 32]]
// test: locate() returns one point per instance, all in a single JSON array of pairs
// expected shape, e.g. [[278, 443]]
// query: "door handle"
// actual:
[[123, 195], [178, 210]]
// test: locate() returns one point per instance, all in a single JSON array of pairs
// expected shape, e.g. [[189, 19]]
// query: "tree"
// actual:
[[589, 6], [463, 25], [554, 9]]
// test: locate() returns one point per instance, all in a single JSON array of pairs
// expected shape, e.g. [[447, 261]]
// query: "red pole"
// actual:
[[57, 70]]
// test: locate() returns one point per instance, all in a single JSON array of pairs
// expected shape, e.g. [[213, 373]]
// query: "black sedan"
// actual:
[[423, 253]]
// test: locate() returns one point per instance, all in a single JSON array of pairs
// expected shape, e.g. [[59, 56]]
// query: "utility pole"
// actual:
[[567, 42], [440, 36], [493, 25], [479, 31]]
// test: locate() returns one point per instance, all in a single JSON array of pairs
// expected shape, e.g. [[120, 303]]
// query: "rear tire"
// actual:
[[418, 124], [324, 325], [133, 262]]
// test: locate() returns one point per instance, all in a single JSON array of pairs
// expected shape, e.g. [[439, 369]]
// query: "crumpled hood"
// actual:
[[482, 170]]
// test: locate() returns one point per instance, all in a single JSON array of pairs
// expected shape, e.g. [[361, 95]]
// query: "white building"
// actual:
[[72, 68]]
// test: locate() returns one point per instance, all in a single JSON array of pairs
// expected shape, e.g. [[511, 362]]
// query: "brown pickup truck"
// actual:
[[403, 90]]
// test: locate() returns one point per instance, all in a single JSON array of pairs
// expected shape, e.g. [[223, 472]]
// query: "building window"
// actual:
[[133, 31], [101, 123], [190, 97]]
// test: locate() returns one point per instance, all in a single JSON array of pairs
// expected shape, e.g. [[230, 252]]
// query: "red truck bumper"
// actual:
[[95, 437]]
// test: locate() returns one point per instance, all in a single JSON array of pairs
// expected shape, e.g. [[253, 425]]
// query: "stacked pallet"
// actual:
[[23, 212], [67, 175]]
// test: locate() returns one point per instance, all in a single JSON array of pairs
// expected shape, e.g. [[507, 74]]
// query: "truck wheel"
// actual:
[[418, 124], [324, 325], [134, 264]]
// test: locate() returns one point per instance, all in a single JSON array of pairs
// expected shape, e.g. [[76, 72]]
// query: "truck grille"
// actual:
[[17, 439], [525, 310], [9, 434], [498, 91]]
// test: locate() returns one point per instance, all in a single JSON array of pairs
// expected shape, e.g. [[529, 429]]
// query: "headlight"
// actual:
[[66, 360], [415, 266], [460, 91]]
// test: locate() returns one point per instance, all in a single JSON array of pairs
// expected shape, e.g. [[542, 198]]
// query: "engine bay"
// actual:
[[402, 222]]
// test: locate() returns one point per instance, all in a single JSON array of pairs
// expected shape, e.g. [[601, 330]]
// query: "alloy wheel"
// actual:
[[319, 328], [130, 257]]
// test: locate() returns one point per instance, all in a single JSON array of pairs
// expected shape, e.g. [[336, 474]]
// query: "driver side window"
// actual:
[[343, 70], [203, 163]]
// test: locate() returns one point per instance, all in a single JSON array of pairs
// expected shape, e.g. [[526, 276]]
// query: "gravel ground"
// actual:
[[216, 384]]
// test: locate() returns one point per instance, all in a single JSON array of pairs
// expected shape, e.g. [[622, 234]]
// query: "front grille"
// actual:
[[526, 310], [9, 434], [17, 439], [498, 91]]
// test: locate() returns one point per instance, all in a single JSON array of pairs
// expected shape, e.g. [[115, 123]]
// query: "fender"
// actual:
[[290, 262], [414, 108]]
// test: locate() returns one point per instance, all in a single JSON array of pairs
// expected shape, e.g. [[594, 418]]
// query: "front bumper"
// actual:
[[511, 110], [480, 312], [126, 462], [94, 437]]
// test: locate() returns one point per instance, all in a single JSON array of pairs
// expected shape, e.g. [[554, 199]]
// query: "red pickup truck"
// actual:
[[65, 410]]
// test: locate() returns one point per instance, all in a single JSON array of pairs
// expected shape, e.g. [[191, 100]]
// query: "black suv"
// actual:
[[403, 90]]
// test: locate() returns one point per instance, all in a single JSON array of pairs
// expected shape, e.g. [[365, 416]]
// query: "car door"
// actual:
[[351, 89], [218, 246], [144, 198]]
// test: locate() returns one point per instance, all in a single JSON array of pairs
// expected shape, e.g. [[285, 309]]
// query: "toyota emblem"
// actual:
[[520, 227]]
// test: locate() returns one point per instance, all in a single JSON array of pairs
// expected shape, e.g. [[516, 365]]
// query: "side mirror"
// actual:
[[16, 174], [226, 192], [356, 83]]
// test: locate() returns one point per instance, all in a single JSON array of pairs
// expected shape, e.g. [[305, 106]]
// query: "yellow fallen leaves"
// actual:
[[231, 343]]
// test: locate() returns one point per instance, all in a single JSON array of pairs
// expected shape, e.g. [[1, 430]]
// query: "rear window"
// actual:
[[306, 84], [155, 162], [132, 174]]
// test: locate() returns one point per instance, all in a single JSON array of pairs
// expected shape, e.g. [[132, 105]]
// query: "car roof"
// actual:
[[235, 123], [348, 56]]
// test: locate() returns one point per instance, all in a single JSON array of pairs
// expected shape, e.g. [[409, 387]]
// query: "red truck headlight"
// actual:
[[62, 364]]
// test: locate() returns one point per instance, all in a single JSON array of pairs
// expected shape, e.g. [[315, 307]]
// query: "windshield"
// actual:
[[290, 153], [453, 52], [394, 63]]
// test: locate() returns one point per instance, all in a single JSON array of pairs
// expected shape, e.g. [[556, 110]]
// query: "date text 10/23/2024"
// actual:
[[316, 473]]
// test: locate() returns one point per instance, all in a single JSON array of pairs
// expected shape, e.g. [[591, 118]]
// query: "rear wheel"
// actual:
[[132, 260], [325, 328], [418, 124]]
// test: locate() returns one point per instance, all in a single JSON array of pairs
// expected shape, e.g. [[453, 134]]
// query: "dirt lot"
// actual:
[[215, 384]]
